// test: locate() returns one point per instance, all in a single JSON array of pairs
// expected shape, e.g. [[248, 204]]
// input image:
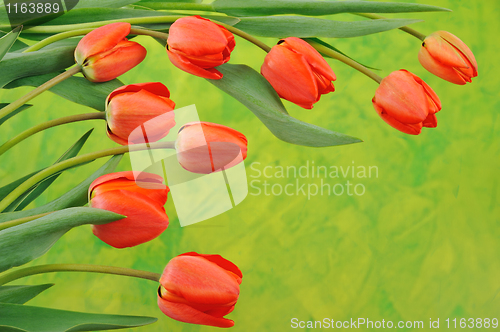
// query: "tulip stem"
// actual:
[[336, 55], [29, 271], [75, 161], [45, 86], [406, 29], [54, 38], [244, 35], [20, 221], [147, 32], [49, 124], [179, 6]]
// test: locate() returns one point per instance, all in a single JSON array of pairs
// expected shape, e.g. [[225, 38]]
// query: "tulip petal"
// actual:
[[199, 281], [155, 180], [312, 56], [145, 220], [412, 129], [434, 102], [100, 40], [156, 88], [445, 72], [196, 36], [185, 313], [444, 52], [130, 110], [402, 97], [290, 75], [121, 60], [430, 121], [183, 64], [221, 261], [204, 61], [461, 47]]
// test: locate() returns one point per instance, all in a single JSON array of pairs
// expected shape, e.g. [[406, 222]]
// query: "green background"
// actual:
[[422, 242]]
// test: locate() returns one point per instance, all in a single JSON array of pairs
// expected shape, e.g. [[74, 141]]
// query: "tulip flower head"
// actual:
[[105, 53], [197, 45], [406, 102], [204, 147], [199, 289], [298, 72], [141, 201], [129, 109], [446, 56]]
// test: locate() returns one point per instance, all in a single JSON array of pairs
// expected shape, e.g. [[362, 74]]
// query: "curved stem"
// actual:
[[179, 6], [29, 271], [75, 161], [71, 27], [49, 124], [54, 38], [20, 221], [336, 55], [244, 35], [45, 86], [411, 31], [147, 32]]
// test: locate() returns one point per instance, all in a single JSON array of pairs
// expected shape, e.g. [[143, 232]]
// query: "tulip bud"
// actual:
[[141, 201], [199, 289], [197, 45], [105, 53], [131, 106], [298, 72], [204, 147], [446, 56], [406, 102]]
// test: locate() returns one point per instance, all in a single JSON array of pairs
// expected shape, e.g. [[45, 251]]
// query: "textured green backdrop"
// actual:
[[422, 242]]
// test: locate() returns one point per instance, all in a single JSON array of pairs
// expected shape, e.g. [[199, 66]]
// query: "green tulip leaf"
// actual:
[[22, 201], [75, 197], [38, 319], [160, 1], [258, 96], [23, 243], [299, 26], [21, 294], [7, 41], [76, 89], [54, 57], [5, 118], [316, 8]]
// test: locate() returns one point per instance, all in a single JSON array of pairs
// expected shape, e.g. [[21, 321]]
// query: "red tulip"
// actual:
[[298, 72], [204, 147], [446, 56], [199, 289], [130, 107], [197, 45], [406, 102], [105, 53], [141, 201]]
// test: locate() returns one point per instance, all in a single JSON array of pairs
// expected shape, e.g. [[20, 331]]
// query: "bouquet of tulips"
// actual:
[[80, 53]]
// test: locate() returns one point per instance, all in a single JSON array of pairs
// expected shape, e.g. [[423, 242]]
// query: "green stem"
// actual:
[[49, 124], [20, 221], [244, 35], [45, 86], [81, 32], [75, 161], [411, 31], [179, 6], [29, 271], [71, 27], [336, 55], [54, 38]]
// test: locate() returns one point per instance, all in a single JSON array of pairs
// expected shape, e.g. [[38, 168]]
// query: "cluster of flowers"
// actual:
[[194, 288]]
